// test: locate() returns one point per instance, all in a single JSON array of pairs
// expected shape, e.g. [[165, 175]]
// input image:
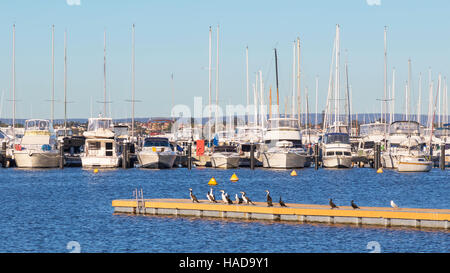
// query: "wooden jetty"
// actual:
[[302, 213]]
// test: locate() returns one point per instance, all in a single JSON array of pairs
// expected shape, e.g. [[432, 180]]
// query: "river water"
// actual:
[[70, 210]]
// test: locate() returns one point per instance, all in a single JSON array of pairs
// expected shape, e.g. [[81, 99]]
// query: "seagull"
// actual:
[[282, 203], [269, 199], [354, 206], [332, 205], [193, 198], [238, 199], [245, 198], [211, 196], [394, 205]]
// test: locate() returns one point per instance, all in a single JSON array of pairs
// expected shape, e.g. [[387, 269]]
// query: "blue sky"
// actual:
[[172, 37]]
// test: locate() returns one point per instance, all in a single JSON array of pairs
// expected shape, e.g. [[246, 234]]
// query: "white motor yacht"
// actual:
[[225, 157], [336, 150], [100, 149], [156, 152], [283, 145], [37, 148]]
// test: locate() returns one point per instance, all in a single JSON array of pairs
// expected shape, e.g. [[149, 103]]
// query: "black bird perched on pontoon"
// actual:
[[245, 198], [332, 205], [354, 206], [193, 198], [282, 203], [238, 199], [269, 199], [211, 196]]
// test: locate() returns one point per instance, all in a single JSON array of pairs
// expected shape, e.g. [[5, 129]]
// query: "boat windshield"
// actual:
[[156, 142], [225, 148], [99, 123], [283, 123], [336, 138], [372, 129], [38, 125], [405, 128]]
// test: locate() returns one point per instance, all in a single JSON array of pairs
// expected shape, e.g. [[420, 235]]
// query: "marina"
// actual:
[[226, 127]]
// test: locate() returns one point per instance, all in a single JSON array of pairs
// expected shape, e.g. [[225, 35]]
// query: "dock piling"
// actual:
[[189, 163], [316, 157], [61, 154], [252, 156], [442, 157], [124, 155]]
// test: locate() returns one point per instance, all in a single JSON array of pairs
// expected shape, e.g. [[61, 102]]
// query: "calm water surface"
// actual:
[[44, 210]]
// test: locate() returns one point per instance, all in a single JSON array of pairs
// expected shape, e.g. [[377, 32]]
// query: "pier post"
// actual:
[[376, 156], [316, 156], [61, 154], [124, 155], [252, 156], [189, 163], [442, 157], [3, 154]]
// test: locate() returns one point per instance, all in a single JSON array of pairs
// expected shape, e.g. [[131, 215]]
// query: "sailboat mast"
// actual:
[[261, 99], [14, 80], [217, 82], [337, 82], [210, 85], [419, 103], [393, 96], [246, 70], [317, 99], [276, 78], [104, 72], [65, 82], [293, 79], [132, 82], [298, 83], [408, 91], [53, 75], [385, 77]]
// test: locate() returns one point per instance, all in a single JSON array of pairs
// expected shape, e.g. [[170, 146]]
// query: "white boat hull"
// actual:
[[405, 166], [225, 162], [155, 160], [337, 161], [283, 160], [26, 159], [100, 161]]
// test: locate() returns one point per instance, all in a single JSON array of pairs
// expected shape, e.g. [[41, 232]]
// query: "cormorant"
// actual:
[[245, 198], [332, 205], [354, 206], [282, 203], [238, 199], [211, 196], [269, 199], [193, 198]]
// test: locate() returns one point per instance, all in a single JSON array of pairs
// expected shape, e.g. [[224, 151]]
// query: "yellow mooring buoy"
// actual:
[[380, 170], [95, 170], [212, 182], [293, 173], [234, 178]]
